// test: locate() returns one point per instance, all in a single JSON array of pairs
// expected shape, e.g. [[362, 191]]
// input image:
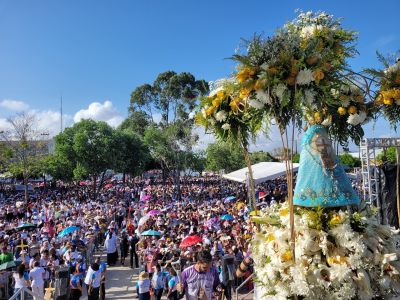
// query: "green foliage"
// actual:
[[196, 161], [93, 146], [221, 156], [6, 154], [348, 160], [59, 167], [261, 156], [296, 158], [136, 122], [172, 95], [131, 153], [388, 156]]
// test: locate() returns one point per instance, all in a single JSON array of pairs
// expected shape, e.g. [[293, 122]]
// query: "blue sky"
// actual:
[[93, 51]]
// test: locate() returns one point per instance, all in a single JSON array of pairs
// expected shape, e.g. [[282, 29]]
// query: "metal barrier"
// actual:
[[240, 286], [21, 294]]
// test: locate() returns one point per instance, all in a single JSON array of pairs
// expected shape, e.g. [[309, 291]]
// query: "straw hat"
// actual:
[[143, 275]]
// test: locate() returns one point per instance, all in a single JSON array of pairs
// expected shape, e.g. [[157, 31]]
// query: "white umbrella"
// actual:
[[143, 220]]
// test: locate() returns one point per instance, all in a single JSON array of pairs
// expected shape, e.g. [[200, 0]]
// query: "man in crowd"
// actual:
[[200, 280]]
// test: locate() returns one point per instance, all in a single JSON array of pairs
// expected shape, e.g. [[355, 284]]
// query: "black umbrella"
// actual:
[[9, 265], [27, 226]]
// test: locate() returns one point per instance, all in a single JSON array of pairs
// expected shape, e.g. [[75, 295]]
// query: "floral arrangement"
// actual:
[[339, 255], [226, 112], [298, 74], [388, 95]]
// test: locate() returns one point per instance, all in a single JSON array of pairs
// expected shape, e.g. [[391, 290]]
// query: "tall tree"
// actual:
[[90, 147], [173, 98], [137, 122], [221, 156], [131, 153], [27, 149]]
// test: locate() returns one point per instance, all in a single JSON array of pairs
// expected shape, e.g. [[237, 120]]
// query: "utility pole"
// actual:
[[61, 113]]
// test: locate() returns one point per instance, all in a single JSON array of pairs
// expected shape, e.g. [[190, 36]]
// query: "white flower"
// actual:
[[340, 272], [212, 121], [256, 103], [309, 96], [345, 102], [203, 113], [221, 116], [264, 66], [327, 122], [226, 126], [335, 93], [393, 68], [354, 119], [280, 90], [263, 97], [309, 31], [304, 77]]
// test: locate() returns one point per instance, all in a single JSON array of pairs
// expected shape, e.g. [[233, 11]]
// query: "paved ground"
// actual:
[[121, 284]]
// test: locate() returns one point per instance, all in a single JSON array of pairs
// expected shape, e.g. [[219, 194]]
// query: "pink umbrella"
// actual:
[[146, 197], [82, 183], [153, 212], [108, 185]]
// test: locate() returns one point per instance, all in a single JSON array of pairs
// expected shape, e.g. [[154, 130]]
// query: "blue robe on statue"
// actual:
[[321, 180]]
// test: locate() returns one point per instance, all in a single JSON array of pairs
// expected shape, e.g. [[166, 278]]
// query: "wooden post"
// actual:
[[397, 184]]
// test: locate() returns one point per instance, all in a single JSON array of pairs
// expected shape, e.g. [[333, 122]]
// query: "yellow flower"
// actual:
[[339, 260], [359, 98], [336, 220], [379, 99], [217, 102], [284, 212], [318, 75], [388, 101], [259, 84], [210, 111], [244, 93], [273, 70], [352, 109], [341, 111], [287, 256], [221, 94], [270, 238], [317, 117], [234, 104], [291, 80], [312, 60], [245, 74]]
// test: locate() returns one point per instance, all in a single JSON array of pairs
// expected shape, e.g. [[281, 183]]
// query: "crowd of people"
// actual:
[[143, 224]]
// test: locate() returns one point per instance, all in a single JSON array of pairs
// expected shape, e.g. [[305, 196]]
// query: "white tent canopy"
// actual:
[[262, 171]]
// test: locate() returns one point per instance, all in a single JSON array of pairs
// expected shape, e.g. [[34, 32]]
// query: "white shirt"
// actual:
[[19, 282], [36, 275], [111, 244], [93, 278]]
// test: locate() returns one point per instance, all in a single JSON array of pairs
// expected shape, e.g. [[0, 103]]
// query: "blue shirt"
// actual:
[[103, 267], [75, 280]]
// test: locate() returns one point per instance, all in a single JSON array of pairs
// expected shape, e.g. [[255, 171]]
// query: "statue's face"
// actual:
[[323, 146]]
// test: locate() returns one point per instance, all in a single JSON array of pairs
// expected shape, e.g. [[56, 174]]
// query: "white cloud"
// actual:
[[13, 105], [49, 121], [100, 112]]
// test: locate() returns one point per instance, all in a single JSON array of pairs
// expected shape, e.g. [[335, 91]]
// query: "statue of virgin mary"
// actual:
[[321, 180]]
